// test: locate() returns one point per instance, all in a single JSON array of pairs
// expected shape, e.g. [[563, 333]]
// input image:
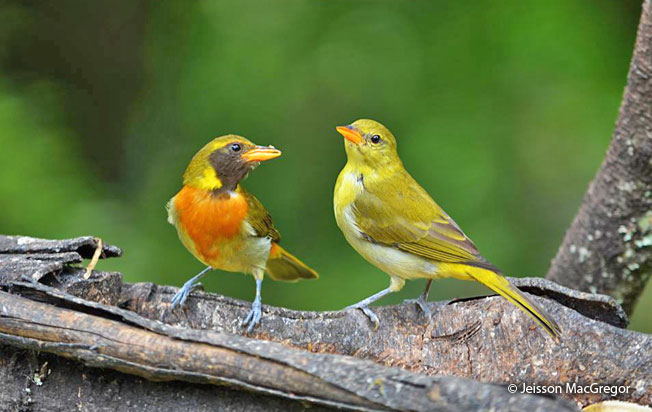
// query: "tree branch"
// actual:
[[40, 381], [324, 358], [160, 352], [607, 249]]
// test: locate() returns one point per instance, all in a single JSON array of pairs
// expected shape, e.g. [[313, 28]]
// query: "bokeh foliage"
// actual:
[[503, 111]]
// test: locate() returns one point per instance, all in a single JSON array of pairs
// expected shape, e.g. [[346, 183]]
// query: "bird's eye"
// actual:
[[375, 139], [236, 147]]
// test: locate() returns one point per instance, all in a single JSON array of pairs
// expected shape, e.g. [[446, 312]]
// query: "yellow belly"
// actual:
[[390, 260], [394, 262]]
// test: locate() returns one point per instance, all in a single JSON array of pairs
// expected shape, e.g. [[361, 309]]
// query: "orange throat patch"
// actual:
[[210, 220]]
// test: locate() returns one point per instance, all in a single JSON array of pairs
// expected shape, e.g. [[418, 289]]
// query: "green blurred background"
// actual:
[[503, 111]]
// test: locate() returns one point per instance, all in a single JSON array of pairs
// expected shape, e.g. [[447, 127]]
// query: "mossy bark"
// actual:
[[608, 248]]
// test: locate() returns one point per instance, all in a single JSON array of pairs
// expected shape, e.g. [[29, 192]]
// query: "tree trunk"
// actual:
[[608, 248]]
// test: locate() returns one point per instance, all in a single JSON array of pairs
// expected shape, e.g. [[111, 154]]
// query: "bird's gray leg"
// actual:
[[253, 318], [363, 305], [396, 285], [180, 297], [422, 300]]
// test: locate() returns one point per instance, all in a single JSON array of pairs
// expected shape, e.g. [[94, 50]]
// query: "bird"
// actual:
[[226, 227], [389, 219]]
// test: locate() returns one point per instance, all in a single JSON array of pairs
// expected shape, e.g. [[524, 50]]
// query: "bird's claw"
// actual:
[[179, 299], [373, 318], [422, 304], [253, 318]]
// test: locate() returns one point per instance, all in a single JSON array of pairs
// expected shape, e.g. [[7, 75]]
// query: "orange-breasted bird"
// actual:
[[224, 226], [394, 224]]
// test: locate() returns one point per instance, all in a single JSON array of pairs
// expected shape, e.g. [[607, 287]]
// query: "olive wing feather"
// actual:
[[405, 217], [260, 219]]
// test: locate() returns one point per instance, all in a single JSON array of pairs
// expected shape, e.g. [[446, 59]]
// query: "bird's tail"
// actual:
[[498, 283], [281, 265]]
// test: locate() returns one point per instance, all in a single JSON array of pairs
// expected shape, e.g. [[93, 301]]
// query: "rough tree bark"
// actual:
[[68, 342], [608, 248], [321, 358]]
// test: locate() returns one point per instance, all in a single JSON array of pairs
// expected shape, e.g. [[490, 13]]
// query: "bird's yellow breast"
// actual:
[[398, 264], [349, 185]]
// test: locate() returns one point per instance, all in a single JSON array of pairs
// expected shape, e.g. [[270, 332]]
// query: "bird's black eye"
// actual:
[[236, 147], [375, 139]]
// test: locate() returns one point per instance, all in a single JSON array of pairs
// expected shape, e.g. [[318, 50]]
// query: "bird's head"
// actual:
[[225, 161], [369, 143]]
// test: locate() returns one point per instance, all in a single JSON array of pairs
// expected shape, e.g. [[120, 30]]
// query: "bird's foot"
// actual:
[[253, 318], [422, 304], [179, 299], [373, 318]]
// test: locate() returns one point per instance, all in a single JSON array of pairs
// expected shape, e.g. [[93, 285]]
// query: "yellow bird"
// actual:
[[224, 226], [395, 225]]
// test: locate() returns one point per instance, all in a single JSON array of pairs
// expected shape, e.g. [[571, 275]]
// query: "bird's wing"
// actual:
[[405, 217], [259, 218]]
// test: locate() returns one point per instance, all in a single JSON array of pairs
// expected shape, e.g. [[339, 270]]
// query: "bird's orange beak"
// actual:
[[350, 134], [261, 153]]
